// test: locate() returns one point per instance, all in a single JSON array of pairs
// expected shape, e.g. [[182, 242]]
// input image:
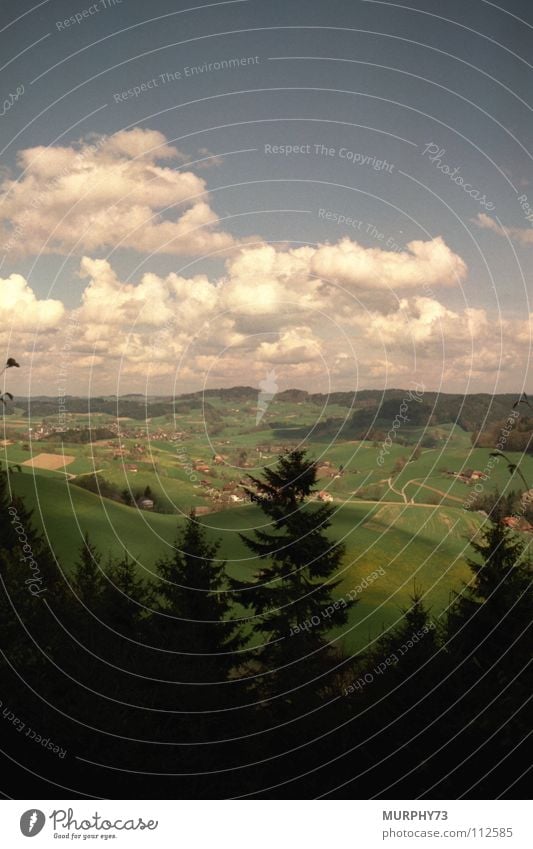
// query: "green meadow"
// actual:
[[403, 515], [410, 543]]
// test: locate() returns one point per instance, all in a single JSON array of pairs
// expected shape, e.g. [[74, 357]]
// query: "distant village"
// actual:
[[221, 478]]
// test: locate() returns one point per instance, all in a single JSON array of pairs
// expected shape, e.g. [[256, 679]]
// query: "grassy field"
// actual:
[[408, 521], [410, 543]]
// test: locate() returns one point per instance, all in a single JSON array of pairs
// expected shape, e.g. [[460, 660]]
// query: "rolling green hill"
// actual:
[[409, 542]]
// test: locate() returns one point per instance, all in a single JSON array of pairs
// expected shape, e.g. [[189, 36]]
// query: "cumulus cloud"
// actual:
[[106, 192], [266, 288], [297, 308], [432, 263], [21, 310], [297, 345], [523, 235], [306, 311]]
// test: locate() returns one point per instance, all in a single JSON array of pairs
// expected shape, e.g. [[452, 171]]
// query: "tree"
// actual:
[[127, 497], [488, 640], [399, 465], [293, 599], [395, 687], [126, 598], [495, 607], [89, 580], [194, 609]]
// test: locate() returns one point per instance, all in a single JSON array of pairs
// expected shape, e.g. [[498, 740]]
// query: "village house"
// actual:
[[200, 466]]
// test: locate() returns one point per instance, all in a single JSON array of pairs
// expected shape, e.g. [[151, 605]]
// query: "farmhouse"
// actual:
[[146, 504], [200, 466], [517, 523], [324, 496], [469, 475]]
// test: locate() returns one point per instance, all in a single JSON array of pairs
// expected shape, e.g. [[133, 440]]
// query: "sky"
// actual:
[[338, 195]]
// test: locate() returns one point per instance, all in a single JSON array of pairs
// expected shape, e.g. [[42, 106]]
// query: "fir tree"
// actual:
[[293, 599], [195, 608], [126, 598], [488, 641], [89, 580], [496, 606]]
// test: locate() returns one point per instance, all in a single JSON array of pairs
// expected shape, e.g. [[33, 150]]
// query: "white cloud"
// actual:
[[270, 307], [350, 264], [107, 192], [297, 345], [21, 310], [523, 235]]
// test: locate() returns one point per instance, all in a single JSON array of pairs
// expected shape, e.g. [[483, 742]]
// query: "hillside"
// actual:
[[409, 543]]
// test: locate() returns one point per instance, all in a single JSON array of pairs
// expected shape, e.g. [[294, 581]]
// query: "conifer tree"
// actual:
[[293, 600], [488, 642], [496, 606], [89, 580], [126, 598], [194, 608]]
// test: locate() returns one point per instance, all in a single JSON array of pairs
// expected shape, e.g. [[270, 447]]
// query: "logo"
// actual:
[[32, 822], [267, 390]]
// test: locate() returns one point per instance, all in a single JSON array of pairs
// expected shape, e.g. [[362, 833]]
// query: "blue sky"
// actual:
[[368, 82]]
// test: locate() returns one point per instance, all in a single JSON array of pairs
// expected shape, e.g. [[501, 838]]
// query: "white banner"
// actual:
[[266, 824]]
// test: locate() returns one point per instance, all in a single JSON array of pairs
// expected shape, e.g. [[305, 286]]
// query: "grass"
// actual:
[[410, 543]]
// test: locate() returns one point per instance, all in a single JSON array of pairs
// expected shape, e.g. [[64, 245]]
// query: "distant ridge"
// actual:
[[363, 408]]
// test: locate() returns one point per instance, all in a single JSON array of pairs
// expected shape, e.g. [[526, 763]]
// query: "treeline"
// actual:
[[519, 437], [516, 503], [131, 496], [469, 412], [83, 436], [371, 407], [178, 681]]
